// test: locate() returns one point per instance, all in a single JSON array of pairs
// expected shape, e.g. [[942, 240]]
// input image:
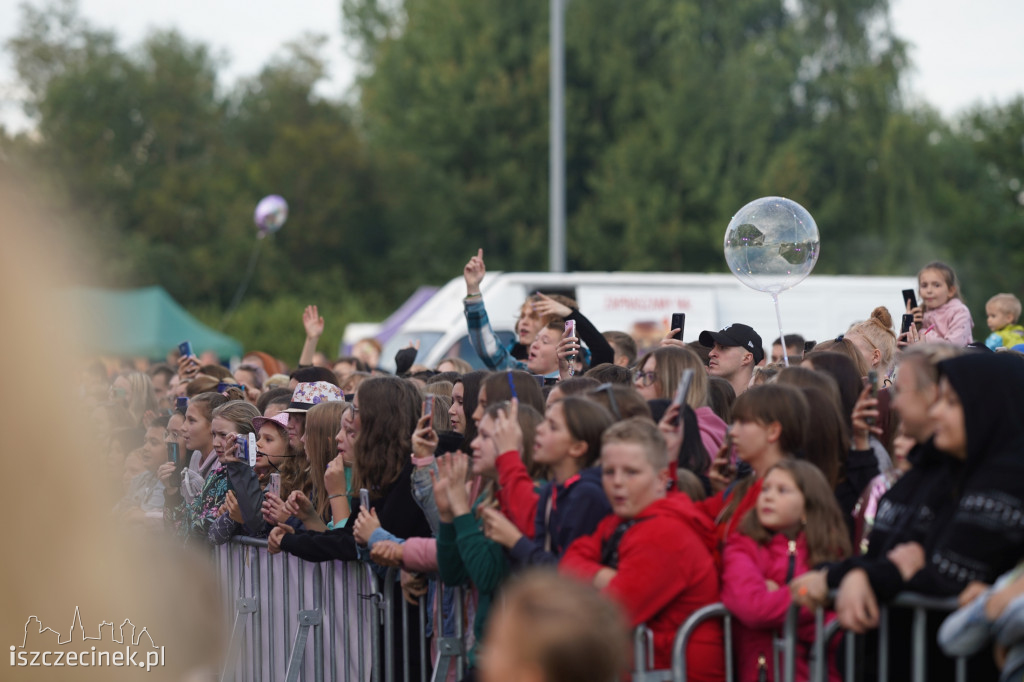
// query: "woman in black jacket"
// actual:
[[386, 410]]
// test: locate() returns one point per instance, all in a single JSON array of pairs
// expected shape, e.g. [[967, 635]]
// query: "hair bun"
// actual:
[[882, 315]]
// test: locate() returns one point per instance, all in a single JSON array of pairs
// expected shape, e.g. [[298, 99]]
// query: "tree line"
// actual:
[[678, 112]]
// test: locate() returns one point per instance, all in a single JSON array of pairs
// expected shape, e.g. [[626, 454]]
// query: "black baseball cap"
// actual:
[[735, 335]]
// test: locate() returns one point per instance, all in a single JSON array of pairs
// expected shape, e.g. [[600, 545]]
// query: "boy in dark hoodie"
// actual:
[[653, 553]]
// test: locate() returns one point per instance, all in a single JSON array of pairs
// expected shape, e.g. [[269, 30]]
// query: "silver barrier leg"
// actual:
[[851, 655], [308, 619], [424, 644], [883, 644], [460, 629], [686, 630], [378, 619], [270, 614], [257, 625], [244, 608], [331, 601], [819, 659], [919, 646], [405, 630], [789, 647], [639, 652], [448, 648], [389, 628], [286, 605]]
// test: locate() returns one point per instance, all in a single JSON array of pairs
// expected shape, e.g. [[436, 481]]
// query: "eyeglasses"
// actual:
[[645, 378]]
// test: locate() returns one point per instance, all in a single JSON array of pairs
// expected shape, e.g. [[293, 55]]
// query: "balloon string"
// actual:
[[782, 338], [253, 257]]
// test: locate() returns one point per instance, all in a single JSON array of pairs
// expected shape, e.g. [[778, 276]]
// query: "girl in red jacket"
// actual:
[[797, 525], [652, 554]]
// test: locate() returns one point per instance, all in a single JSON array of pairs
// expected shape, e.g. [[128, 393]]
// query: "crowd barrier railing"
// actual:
[[294, 620], [784, 665]]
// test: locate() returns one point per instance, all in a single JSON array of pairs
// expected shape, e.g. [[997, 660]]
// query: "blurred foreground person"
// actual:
[[553, 629]]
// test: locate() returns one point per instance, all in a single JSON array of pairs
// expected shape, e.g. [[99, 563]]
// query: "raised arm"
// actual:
[[481, 334], [314, 325]]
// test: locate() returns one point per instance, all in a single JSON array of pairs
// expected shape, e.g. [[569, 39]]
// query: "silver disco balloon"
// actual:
[[772, 244]]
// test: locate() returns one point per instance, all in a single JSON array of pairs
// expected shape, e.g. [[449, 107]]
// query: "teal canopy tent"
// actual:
[[143, 323]]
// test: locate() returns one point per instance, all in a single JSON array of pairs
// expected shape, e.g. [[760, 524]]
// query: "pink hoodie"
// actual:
[[759, 611], [950, 322]]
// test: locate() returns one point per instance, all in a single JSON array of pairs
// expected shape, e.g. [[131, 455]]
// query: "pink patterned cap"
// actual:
[[309, 394]]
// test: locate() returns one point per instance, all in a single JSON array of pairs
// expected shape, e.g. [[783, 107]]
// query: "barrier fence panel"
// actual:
[[821, 649], [686, 631], [296, 621], [919, 605], [280, 608]]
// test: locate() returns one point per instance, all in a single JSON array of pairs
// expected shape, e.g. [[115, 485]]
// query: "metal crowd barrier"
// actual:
[[919, 604], [294, 620], [786, 644]]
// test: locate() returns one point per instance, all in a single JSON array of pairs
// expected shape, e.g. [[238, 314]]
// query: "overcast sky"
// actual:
[[962, 52]]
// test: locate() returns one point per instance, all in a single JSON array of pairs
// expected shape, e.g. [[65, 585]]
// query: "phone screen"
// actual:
[[908, 320], [275, 484], [364, 498], [172, 453]]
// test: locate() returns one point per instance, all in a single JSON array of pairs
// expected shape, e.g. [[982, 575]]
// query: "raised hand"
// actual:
[[424, 438], [274, 541], [299, 505], [549, 307], [166, 475], [273, 509], [440, 481], [474, 273], [671, 427], [387, 553], [313, 323], [908, 557], [334, 477], [188, 368], [235, 511], [722, 472], [865, 419], [508, 435], [456, 473], [366, 523], [497, 527]]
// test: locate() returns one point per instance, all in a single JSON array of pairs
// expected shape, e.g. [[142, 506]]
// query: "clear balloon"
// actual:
[[772, 244], [270, 215]]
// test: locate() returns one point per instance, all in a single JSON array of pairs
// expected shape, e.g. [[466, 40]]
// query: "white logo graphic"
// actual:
[[126, 634]]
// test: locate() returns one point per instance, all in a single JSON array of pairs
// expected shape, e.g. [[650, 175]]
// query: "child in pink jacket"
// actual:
[[942, 315], [798, 525]]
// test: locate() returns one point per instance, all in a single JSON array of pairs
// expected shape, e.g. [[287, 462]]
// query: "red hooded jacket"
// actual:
[[665, 573]]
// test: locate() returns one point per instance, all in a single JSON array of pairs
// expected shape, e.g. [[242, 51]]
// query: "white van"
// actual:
[[641, 304]]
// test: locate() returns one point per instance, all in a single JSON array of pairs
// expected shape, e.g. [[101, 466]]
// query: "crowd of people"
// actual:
[[878, 462]]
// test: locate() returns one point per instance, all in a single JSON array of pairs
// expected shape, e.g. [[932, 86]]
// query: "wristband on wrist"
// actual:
[[331, 497], [476, 295]]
